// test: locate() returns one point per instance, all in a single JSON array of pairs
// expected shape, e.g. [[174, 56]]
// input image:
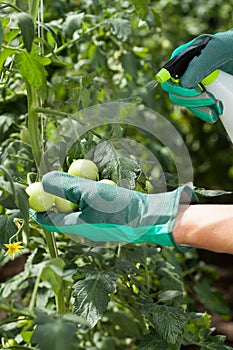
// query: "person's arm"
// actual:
[[205, 226]]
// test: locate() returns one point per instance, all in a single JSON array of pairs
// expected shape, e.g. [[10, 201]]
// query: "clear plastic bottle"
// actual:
[[220, 84]]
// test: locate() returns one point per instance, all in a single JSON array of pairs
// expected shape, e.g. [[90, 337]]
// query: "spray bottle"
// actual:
[[219, 83]]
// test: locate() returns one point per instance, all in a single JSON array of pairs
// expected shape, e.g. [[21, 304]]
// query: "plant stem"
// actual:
[[75, 40], [11, 6], [118, 250], [33, 126], [34, 132], [50, 111], [34, 293], [21, 347], [63, 114], [147, 277], [18, 312], [60, 301], [60, 298], [49, 236]]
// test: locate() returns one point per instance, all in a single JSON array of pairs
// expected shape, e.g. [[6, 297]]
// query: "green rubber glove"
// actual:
[[111, 213], [218, 54]]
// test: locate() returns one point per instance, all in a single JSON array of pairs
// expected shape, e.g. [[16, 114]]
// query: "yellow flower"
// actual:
[[13, 248]]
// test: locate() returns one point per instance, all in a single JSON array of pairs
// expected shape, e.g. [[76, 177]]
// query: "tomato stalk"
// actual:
[[71, 42], [35, 136], [60, 299], [14, 311], [34, 293], [60, 304], [33, 125]]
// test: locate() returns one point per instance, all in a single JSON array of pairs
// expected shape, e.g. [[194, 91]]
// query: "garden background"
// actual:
[[60, 57]]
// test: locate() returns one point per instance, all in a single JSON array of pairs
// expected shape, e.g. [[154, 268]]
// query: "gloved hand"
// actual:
[[111, 213], [218, 54]]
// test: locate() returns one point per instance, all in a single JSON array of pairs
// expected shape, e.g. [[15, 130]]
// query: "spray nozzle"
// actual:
[[176, 67]]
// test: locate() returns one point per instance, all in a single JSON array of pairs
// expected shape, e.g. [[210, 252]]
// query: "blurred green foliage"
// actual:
[[104, 51]]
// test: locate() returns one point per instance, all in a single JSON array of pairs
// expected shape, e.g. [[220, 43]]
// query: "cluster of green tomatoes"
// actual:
[[41, 201]]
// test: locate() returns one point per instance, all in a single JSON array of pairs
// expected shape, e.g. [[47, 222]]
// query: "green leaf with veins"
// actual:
[[152, 341], [169, 322], [31, 67], [116, 164], [91, 295]]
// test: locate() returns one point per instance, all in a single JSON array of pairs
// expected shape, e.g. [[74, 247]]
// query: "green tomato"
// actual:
[[84, 168], [65, 206], [109, 182], [39, 200], [149, 187]]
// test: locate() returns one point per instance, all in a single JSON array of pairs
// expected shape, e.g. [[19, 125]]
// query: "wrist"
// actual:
[[184, 229], [205, 226]]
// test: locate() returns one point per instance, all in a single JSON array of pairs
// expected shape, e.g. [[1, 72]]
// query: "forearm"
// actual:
[[205, 226]]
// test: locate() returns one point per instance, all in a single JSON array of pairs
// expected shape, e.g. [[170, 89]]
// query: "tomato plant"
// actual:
[[56, 61]]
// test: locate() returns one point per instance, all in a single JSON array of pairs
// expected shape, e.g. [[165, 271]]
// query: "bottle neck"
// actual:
[[211, 77]]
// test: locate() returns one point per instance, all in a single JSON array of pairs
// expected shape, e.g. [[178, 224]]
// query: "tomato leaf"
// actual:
[[169, 323], [92, 295], [197, 331], [116, 164], [141, 7], [72, 23], [151, 341], [211, 298], [210, 193], [7, 226], [54, 334], [31, 67], [127, 325], [4, 54], [52, 273], [169, 295], [21, 201], [121, 28], [26, 25], [123, 171], [169, 278]]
